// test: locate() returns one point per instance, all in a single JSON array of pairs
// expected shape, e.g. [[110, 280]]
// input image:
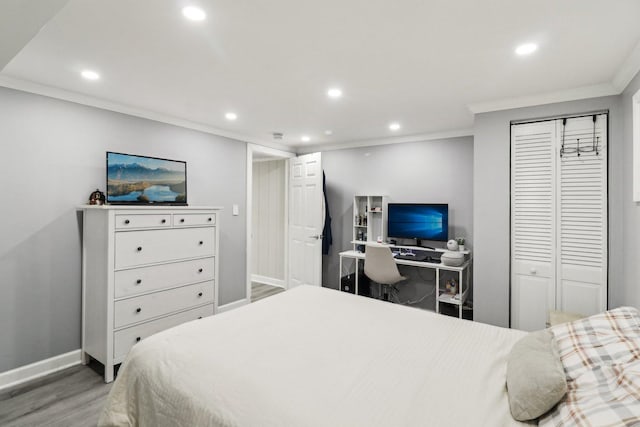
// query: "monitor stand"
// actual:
[[419, 243]]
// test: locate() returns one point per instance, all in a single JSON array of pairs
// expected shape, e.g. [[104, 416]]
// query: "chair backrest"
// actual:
[[380, 266]]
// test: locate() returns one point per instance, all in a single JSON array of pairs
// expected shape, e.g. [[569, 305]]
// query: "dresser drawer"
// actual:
[[124, 339], [186, 220], [154, 246], [124, 222], [148, 279], [139, 309]]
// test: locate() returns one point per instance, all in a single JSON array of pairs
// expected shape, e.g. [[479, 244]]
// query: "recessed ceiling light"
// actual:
[[526, 49], [305, 138], [328, 132], [194, 13], [231, 116], [334, 93], [90, 75], [394, 126]]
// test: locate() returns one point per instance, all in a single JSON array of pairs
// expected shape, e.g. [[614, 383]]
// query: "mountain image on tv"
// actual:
[[138, 179]]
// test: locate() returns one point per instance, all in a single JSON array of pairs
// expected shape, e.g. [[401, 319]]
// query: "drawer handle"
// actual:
[[138, 339], [139, 248], [126, 221], [209, 219], [138, 281], [181, 219], [138, 310], [163, 221], [200, 270], [199, 294], [201, 242]]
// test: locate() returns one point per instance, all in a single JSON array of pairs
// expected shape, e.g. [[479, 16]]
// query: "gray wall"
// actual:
[[53, 156], [492, 202], [438, 171], [629, 294]]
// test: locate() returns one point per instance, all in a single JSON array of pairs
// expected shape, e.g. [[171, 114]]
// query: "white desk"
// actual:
[[463, 273]]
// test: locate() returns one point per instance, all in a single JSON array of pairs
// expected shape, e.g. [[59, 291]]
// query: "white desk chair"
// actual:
[[380, 266]]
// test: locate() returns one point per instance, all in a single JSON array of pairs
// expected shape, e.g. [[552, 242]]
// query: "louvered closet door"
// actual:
[[533, 234], [582, 216]]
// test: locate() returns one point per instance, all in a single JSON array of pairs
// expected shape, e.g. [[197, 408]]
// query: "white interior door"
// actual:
[[582, 216], [533, 232], [306, 211], [558, 219]]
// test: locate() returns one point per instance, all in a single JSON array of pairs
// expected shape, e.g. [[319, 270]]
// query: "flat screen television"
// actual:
[[133, 180], [420, 221]]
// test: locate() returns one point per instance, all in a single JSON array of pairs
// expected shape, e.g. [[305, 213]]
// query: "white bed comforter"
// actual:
[[317, 357]]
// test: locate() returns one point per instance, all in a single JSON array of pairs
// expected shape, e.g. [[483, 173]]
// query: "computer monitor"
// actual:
[[420, 221]]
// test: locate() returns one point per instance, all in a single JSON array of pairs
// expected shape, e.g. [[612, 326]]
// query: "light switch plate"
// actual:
[[236, 211]]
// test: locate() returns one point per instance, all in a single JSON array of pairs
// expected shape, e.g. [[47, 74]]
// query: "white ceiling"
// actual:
[[20, 20], [423, 63]]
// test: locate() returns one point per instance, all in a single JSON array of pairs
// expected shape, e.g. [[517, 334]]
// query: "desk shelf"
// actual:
[[447, 298], [369, 219]]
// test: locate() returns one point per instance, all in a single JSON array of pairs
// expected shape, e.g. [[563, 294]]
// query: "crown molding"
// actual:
[[385, 141], [92, 101], [628, 70], [584, 92]]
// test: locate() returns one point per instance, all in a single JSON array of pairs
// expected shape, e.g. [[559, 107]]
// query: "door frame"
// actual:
[[275, 154]]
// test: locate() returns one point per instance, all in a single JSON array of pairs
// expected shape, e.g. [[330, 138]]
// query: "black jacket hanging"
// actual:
[[327, 239]]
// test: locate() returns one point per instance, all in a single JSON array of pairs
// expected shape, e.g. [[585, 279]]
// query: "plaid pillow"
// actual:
[[601, 359]]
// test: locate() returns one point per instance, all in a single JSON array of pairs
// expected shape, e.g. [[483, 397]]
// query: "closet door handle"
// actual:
[[533, 270]]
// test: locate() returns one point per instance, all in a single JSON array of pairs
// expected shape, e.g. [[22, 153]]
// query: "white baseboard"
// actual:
[[39, 369], [267, 280], [232, 305]]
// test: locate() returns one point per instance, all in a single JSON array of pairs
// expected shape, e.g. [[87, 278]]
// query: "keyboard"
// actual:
[[418, 257]]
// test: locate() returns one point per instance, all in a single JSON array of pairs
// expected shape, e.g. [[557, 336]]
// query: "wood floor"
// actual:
[[260, 291], [73, 397], [69, 398]]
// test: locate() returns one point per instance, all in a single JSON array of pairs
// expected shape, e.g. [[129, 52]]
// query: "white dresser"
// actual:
[[144, 269]]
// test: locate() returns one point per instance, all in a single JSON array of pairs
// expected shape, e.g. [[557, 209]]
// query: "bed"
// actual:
[[317, 357]]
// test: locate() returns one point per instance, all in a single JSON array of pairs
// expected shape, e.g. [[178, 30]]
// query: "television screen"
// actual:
[[144, 180], [418, 221]]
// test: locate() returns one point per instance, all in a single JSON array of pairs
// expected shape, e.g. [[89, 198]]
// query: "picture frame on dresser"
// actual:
[[144, 269]]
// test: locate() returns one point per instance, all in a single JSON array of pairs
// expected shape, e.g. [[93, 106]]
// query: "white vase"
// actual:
[[461, 247]]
